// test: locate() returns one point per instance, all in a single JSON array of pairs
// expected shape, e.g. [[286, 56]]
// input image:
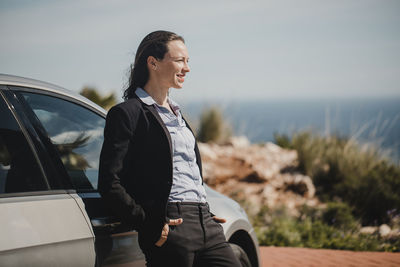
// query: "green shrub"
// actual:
[[281, 231], [339, 215], [283, 140], [92, 94], [313, 232], [356, 174], [213, 128]]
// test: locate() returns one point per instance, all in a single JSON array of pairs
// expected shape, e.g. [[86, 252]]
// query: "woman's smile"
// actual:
[[181, 77]]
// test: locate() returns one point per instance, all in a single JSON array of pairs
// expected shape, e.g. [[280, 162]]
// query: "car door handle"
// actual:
[[105, 226], [103, 222]]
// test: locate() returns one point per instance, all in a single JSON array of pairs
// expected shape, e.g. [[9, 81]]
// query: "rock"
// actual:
[[207, 151], [270, 194], [300, 184], [395, 233], [238, 141], [368, 230], [257, 175], [384, 230]]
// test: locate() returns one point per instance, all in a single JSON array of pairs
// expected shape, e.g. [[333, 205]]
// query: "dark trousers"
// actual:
[[199, 241]]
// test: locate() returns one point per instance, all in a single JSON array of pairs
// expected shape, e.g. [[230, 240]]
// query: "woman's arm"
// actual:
[[118, 131]]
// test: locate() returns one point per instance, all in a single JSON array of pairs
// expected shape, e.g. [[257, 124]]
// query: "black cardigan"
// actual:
[[135, 172]]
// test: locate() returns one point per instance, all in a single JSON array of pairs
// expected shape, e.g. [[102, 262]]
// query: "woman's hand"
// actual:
[[219, 220], [165, 231]]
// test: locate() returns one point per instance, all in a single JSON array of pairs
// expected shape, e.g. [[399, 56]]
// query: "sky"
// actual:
[[239, 50]]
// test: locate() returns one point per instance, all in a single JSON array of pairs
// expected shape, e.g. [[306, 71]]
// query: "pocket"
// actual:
[[178, 143], [172, 228], [170, 236], [217, 226]]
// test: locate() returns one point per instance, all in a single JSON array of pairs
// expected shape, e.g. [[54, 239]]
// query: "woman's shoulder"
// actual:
[[131, 107], [128, 105]]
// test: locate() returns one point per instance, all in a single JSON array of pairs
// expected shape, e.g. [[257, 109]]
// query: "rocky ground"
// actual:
[[257, 175]]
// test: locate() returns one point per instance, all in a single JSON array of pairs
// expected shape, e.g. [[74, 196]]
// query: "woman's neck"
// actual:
[[158, 93]]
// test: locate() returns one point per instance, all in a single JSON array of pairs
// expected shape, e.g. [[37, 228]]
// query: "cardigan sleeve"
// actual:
[[118, 132]]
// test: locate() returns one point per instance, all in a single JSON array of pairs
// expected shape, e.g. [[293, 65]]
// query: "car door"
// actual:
[[73, 132], [39, 226]]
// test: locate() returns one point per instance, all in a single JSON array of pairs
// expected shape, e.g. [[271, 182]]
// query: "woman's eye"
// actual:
[[182, 60]]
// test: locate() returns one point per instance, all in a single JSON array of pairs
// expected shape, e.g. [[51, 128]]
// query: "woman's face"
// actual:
[[171, 70]]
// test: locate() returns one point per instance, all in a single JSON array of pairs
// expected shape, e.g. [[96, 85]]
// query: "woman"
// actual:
[[150, 166]]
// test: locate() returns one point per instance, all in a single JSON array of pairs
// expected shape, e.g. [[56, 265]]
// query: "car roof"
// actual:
[[6, 79]]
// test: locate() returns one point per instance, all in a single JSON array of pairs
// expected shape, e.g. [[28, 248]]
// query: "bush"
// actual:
[[339, 215], [313, 232], [92, 94], [283, 140], [343, 169], [213, 128]]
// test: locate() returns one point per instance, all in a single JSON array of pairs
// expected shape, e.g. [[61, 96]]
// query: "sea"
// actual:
[[369, 121]]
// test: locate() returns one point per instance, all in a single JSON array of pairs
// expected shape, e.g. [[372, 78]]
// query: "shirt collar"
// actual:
[[175, 107], [148, 100], [145, 97]]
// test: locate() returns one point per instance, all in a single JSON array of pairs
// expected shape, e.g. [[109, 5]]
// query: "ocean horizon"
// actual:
[[372, 121]]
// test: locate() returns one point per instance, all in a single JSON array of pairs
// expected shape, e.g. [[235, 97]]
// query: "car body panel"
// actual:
[[236, 218], [28, 240], [11, 80]]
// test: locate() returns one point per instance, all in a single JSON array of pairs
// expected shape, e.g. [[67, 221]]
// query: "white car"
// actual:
[[50, 211]]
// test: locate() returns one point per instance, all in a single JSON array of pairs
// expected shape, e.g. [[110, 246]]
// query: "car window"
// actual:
[[19, 169], [76, 133]]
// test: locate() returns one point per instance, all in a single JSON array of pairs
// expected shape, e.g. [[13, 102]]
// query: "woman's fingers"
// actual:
[[219, 220], [165, 231], [175, 221], [164, 236]]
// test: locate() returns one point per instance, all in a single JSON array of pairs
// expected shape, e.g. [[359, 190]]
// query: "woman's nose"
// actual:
[[186, 68]]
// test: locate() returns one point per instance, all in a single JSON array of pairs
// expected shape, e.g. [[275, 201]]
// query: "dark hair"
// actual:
[[154, 44]]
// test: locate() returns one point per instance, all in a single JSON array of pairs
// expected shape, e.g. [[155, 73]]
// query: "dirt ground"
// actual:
[[305, 257]]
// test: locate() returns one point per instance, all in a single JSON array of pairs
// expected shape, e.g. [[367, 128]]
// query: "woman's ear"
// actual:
[[152, 63]]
